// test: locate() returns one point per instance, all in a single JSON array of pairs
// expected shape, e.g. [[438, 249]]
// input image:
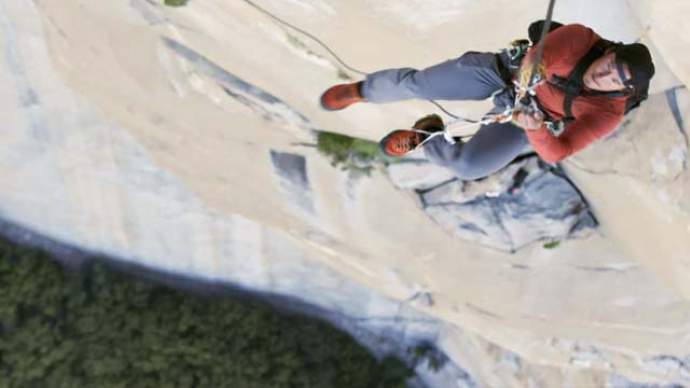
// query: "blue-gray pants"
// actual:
[[473, 76]]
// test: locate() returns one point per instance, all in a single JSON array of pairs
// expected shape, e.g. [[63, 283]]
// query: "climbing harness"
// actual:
[[524, 86]]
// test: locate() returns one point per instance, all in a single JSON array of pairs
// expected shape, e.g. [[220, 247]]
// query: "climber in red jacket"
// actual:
[[587, 85]]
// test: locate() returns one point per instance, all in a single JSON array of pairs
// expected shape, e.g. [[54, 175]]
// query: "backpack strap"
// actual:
[[572, 86]]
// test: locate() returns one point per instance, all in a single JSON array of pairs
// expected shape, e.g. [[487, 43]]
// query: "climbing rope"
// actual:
[[524, 89], [305, 33], [337, 58], [540, 47]]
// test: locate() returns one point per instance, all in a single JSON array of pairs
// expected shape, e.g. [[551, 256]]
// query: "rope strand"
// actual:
[[336, 57], [305, 33]]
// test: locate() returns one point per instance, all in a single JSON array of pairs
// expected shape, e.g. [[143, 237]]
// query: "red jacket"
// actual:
[[595, 116]]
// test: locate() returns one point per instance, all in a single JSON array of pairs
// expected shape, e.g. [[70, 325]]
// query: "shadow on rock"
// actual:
[[526, 202]]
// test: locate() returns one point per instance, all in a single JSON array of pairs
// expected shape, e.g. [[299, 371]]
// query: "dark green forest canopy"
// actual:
[[101, 329]]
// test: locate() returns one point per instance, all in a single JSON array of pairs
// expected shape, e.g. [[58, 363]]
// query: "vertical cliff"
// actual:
[[170, 138]]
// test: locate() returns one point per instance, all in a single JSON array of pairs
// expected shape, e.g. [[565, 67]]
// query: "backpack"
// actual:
[[572, 85]]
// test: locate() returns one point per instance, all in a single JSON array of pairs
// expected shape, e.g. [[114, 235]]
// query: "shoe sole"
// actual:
[[382, 143], [435, 129], [324, 106]]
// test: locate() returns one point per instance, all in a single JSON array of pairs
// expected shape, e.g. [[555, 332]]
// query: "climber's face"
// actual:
[[603, 75]]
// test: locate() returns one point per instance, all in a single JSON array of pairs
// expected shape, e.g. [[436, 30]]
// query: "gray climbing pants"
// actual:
[[473, 76]]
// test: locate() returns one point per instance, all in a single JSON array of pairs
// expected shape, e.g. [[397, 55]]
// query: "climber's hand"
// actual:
[[530, 121]]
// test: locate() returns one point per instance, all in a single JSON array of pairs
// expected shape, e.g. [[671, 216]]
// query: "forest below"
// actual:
[[100, 328]]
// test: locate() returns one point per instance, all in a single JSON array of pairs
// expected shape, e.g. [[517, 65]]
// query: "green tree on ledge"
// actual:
[[175, 3], [351, 153]]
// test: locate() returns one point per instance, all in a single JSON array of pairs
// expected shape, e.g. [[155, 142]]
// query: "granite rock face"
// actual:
[[525, 202], [417, 174], [170, 137]]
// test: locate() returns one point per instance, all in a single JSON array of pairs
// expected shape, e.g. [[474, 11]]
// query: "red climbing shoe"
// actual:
[[403, 141], [341, 96]]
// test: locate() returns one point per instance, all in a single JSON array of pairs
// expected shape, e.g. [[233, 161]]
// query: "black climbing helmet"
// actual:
[[639, 61]]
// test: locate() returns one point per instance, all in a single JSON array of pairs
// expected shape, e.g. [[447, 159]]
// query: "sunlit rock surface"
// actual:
[[174, 138]]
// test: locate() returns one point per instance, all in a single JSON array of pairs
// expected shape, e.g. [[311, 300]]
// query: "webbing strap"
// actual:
[[572, 86]]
